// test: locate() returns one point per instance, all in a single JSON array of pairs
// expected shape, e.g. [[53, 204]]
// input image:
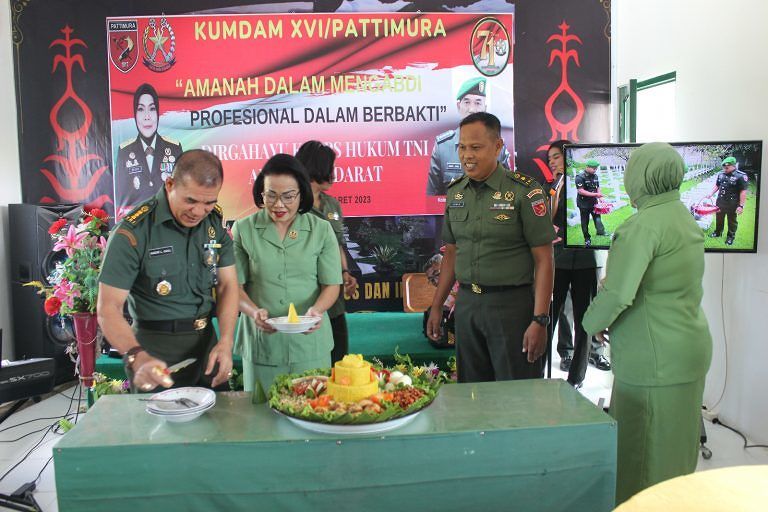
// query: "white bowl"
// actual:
[[164, 404], [181, 417], [282, 324]]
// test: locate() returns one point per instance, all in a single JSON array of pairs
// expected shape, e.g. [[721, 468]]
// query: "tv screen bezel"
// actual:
[[753, 250]]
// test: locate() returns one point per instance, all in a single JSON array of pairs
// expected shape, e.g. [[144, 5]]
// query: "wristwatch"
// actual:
[[542, 320], [130, 356]]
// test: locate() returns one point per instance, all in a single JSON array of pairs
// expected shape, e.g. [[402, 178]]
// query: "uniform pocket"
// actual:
[[458, 214], [160, 270]]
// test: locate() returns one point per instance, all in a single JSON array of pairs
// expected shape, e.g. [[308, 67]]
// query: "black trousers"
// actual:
[[585, 213], [733, 223], [582, 284], [489, 336], [340, 338]]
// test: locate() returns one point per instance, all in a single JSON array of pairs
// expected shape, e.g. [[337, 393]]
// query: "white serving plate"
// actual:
[[282, 324]]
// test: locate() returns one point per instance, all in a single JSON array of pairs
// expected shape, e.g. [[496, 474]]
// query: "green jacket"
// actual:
[[275, 273], [651, 298]]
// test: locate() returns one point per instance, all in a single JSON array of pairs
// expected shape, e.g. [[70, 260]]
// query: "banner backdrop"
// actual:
[[378, 88], [64, 54]]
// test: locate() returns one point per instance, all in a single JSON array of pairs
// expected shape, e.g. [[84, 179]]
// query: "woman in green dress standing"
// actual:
[[660, 341], [284, 256], [318, 159]]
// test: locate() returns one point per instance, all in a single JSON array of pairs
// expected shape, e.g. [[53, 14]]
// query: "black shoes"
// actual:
[[729, 240], [565, 363], [600, 362], [714, 234]]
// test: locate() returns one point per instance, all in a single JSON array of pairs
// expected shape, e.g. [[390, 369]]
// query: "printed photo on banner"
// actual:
[[385, 90]]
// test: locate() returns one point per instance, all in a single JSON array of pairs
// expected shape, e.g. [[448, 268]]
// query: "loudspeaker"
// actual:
[[35, 334]]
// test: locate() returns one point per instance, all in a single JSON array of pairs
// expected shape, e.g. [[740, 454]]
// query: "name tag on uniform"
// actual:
[[135, 170], [502, 206], [161, 251], [456, 204]]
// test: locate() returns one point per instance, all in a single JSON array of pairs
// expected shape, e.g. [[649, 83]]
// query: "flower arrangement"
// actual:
[[103, 385], [74, 281]]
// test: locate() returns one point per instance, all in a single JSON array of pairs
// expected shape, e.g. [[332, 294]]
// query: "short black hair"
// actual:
[[559, 144], [285, 165], [490, 121], [142, 90], [318, 160], [201, 166]]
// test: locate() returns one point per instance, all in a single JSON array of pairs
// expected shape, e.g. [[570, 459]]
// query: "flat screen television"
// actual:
[[707, 194]]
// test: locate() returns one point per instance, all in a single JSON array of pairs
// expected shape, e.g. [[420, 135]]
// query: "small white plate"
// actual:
[[282, 324], [204, 397], [181, 417]]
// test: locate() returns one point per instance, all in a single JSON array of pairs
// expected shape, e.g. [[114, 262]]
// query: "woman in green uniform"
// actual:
[[660, 341], [284, 256], [318, 159]]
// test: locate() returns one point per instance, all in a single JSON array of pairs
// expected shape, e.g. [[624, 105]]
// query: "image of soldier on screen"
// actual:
[[144, 163], [587, 200], [444, 164], [731, 187]]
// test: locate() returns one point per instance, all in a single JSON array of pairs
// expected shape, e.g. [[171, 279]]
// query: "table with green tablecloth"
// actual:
[[533, 445], [371, 334]]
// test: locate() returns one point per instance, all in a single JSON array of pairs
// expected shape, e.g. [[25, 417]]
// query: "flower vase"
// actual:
[[86, 330]]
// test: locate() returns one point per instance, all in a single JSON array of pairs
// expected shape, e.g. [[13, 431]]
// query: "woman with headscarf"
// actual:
[[660, 341]]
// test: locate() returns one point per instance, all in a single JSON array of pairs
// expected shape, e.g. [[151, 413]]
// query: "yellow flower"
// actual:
[[417, 371]]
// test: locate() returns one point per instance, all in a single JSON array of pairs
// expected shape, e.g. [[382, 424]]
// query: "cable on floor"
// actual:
[[716, 421]]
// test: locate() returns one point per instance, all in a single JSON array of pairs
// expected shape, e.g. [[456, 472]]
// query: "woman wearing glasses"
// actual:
[[284, 255]]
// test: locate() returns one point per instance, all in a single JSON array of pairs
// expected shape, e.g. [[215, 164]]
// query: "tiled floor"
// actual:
[[725, 445]]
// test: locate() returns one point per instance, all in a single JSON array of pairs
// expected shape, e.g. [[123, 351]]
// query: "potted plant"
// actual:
[[73, 285]]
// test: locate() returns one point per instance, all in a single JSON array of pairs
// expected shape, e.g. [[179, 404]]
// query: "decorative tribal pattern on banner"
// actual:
[[378, 88]]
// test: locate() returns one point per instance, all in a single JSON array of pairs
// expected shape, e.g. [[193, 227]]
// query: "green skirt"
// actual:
[[659, 433]]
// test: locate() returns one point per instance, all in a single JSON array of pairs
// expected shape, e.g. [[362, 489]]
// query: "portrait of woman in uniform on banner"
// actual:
[[143, 163]]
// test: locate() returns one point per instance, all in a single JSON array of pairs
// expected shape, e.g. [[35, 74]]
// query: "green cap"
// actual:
[[729, 161], [593, 163], [472, 86]]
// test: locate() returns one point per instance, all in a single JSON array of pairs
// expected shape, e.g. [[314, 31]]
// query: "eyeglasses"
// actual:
[[286, 197]]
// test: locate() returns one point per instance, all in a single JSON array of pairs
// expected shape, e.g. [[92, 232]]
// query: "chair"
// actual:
[[417, 292]]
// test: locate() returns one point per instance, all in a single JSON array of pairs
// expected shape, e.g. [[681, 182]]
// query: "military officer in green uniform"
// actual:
[[444, 165], [165, 258], [318, 159], [731, 188], [588, 192], [498, 236], [143, 163]]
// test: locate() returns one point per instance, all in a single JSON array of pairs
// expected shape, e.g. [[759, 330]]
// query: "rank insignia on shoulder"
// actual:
[[333, 216], [134, 217], [501, 216], [497, 195], [444, 136], [521, 178], [219, 210], [539, 208], [534, 192]]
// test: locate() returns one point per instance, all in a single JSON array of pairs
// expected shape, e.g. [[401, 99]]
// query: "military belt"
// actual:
[[173, 326], [481, 288]]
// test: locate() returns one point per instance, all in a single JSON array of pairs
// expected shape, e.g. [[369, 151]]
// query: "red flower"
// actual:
[[98, 213], [56, 226], [52, 306]]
